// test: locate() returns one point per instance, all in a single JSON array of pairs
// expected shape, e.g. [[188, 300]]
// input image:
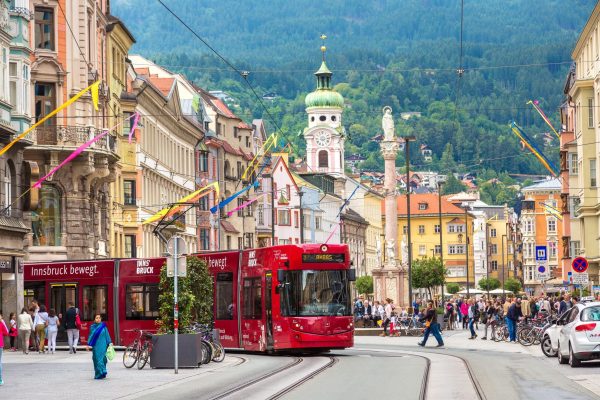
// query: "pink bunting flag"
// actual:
[[333, 231], [136, 119], [244, 205]]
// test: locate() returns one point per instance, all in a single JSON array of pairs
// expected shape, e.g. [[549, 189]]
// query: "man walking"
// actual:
[[512, 317], [431, 326], [71, 327]]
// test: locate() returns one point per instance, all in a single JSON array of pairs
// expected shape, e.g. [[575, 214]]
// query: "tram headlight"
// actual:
[[324, 248]]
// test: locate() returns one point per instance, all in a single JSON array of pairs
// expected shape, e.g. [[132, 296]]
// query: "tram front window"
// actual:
[[311, 293]]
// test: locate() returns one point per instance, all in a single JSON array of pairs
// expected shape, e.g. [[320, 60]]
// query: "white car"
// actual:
[[579, 334]]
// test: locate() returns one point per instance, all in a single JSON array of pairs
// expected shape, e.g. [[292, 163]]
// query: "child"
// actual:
[[13, 332]]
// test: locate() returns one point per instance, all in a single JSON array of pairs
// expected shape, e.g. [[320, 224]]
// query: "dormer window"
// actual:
[[322, 118], [333, 118], [422, 206]]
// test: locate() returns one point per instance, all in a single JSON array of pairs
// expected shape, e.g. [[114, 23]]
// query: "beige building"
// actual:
[[584, 93]]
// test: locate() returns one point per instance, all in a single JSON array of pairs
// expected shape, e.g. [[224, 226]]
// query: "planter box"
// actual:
[[163, 351], [441, 321]]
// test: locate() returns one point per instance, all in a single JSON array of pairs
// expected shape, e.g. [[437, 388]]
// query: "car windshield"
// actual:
[[591, 314], [315, 293]]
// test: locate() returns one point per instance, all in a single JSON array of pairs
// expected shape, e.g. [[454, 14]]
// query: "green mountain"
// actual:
[[382, 52]]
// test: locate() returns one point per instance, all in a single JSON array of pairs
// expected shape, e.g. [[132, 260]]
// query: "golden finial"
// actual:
[[323, 48]]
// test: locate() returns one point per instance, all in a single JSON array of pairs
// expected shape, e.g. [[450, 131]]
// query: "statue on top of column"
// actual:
[[387, 123]]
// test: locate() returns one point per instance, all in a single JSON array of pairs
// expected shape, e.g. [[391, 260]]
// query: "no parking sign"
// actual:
[[579, 264]]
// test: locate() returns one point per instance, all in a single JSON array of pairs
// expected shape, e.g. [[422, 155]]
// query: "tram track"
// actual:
[[332, 361]]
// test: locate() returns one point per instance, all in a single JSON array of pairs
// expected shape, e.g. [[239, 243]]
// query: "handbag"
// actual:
[[77, 321], [110, 352], [427, 324]]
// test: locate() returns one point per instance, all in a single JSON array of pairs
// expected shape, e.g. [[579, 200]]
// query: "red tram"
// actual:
[[269, 299]]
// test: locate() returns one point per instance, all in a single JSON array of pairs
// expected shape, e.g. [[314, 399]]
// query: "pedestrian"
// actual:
[[464, 310], [359, 311], [387, 316], [13, 332], [429, 318], [72, 327], [488, 318], [565, 304], [98, 342], [367, 315], [512, 317], [375, 314], [3, 332], [53, 324], [525, 309], [25, 325], [448, 316], [41, 323], [473, 313]]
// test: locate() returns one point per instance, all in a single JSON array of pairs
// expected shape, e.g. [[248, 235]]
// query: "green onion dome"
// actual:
[[324, 96]]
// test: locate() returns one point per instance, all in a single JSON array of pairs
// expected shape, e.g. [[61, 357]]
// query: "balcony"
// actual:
[[72, 136]]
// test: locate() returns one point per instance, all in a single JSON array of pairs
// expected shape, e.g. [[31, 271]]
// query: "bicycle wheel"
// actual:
[[525, 337], [144, 356], [207, 353], [219, 354], [130, 356]]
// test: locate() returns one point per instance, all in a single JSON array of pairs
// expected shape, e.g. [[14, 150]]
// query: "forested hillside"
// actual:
[[382, 52]]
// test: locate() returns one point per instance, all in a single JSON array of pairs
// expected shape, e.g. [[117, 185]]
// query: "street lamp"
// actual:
[[466, 207], [487, 257], [439, 184], [407, 140]]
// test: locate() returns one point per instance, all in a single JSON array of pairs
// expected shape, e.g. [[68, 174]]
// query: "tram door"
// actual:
[[269, 309], [60, 295]]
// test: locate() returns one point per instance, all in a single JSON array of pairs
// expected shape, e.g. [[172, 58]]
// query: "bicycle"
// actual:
[[214, 349], [138, 351]]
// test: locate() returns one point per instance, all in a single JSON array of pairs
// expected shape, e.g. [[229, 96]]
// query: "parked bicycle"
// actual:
[[213, 349], [138, 351]]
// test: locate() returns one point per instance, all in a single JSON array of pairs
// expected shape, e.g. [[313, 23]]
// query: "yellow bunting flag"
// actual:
[[270, 142], [94, 91], [53, 113], [187, 199]]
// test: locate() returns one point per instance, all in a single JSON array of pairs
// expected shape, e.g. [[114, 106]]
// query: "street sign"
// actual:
[[181, 267], [579, 264], [542, 269], [541, 253], [181, 246], [581, 278]]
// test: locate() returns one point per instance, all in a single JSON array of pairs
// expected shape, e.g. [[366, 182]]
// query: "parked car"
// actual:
[[578, 334]]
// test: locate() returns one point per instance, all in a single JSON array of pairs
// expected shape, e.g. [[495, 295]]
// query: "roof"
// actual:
[[432, 201], [223, 109], [112, 21], [229, 149], [547, 184], [228, 226], [350, 214]]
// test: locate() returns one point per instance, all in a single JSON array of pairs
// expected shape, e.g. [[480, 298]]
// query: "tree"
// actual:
[[364, 284], [512, 284], [447, 162], [489, 284], [427, 273], [452, 287], [195, 297], [453, 185]]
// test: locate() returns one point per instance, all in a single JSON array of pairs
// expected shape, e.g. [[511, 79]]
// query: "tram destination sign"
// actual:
[[70, 270], [323, 258]]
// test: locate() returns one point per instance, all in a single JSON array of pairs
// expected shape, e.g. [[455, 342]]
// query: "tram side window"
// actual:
[[95, 301], [224, 296], [142, 301], [252, 308]]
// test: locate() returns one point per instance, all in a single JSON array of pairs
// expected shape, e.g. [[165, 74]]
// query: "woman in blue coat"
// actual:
[[99, 340]]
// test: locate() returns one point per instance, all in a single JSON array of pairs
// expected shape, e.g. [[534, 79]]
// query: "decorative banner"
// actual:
[[533, 148], [71, 156], [333, 231], [270, 142], [136, 119], [93, 87], [549, 209], [341, 209], [535, 105], [228, 200], [190, 198], [244, 205]]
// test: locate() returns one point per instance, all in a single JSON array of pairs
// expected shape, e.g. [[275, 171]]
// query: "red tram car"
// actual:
[[269, 299]]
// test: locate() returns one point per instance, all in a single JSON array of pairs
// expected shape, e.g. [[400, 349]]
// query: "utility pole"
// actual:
[[407, 140], [503, 236], [466, 205], [440, 183], [487, 256], [300, 194]]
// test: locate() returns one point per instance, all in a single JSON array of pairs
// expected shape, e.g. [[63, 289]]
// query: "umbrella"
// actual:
[[471, 291], [499, 291]]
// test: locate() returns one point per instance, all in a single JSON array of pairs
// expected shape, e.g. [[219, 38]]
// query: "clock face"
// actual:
[[323, 138]]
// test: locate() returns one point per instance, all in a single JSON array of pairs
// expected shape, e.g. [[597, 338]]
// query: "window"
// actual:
[[261, 214], [224, 308], [240, 211], [129, 192], [333, 118], [493, 232], [239, 170], [421, 229], [44, 28], [13, 76], [25, 107], [130, 246], [203, 161], [454, 228], [252, 300], [45, 101], [494, 265], [249, 240], [528, 250], [528, 226], [437, 249], [203, 203], [405, 229], [551, 224], [240, 243], [318, 222], [590, 112], [204, 239], [437, 229], [493, 249], [10, 187], [574, 248], [456, 249], [284, 241], [95, 301], [283, 217], [228, 240], [141, 301], [296, 219], [552, 250], [422, 250], [46, 220], [572, 164], [235, 132], [573, 205], [593, 172], [422, 206], [323, 159], [322, 118]]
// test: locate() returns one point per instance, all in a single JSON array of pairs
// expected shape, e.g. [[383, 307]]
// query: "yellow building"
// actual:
[[123, 229], [425, 232]]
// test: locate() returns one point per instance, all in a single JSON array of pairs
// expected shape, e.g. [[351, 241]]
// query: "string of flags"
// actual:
[[526, 140], [536, 106]]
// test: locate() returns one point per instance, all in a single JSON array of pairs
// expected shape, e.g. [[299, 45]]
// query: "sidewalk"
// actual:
[[67, 376]]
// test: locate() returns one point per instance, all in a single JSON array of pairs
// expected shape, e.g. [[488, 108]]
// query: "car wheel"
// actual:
[[561, 359], [547, 347], [573, 362]]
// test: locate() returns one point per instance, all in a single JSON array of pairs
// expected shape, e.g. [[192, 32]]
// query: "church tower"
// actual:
[[325, 135]]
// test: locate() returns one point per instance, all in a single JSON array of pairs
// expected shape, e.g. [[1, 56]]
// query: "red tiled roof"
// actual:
[[246, 156], [243, 125], [214, 143], [162, 84], [228, 226], [143, 71], [432, 205], [229, 149], [223, 109]]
